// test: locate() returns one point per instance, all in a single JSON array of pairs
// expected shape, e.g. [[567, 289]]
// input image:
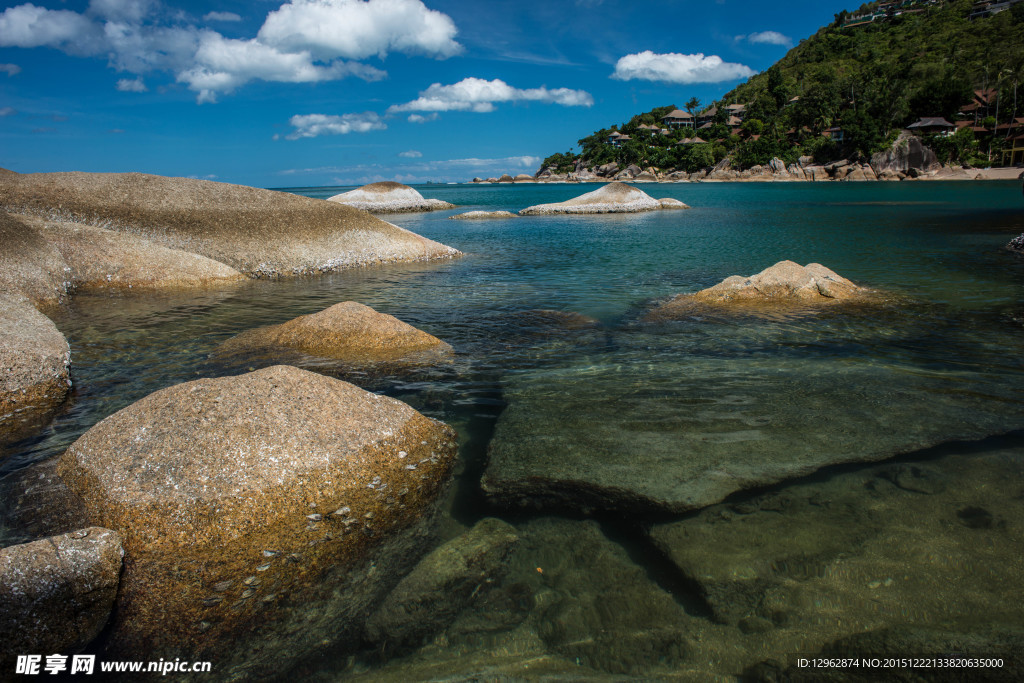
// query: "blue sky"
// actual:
[[324, 92]]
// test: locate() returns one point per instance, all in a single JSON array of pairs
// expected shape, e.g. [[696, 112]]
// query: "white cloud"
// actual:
[[419, 118], [132, 85], [10, 69], [678, 68], [411, 154], [355, 29], [221, 16], [312, 125], [476, 94], [768, 38], [304, 41], [8, 111], [30, 26]]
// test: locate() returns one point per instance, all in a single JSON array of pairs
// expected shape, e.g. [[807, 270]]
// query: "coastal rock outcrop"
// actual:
[[442, 585], [907, 152], [480, 215], [34, 368], [57, 593], [786, 284], [260, 233], [243, 500], [612, 198], [389, 197], [347, 331], [29, 263], [1016, 244]]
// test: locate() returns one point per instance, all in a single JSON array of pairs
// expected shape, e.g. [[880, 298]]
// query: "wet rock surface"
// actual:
[[1016, 244], [612, 198], [389, 197], [262, 513], [442, 585], [347, 331], [34, 368], [480, 215], [56, 594], [260, 233]]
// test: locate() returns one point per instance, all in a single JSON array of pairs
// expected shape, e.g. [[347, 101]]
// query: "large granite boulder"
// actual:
[[34, 368], [243, 501], [389, 197], [348, 331], [56, 594], [611, 198], [906, 153], [784, 284], [442, 585], [261, 233], [29, 264], [480, 215]]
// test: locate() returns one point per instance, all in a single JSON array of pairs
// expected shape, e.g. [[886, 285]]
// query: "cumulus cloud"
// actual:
[[476, 94], [8, 111], [312, 125], [411, 154], [678, 68], [767, 38], [10, 69], [355, 29], [221, 16], [303, 41], [132, 85]]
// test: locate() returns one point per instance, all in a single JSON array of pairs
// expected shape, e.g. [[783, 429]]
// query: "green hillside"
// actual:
[[849, 89]]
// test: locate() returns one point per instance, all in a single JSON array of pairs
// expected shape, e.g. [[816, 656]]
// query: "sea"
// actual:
[[867, 493]]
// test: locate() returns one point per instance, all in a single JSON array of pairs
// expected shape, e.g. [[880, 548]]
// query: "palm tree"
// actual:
[[692, 105]]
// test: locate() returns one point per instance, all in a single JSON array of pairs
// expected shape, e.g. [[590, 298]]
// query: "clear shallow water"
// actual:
[[937, 247]]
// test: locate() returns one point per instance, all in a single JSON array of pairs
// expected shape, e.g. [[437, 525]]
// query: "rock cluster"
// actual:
[[347, 331], [243, 500], [260, 233], [389, 197], [612, 198]]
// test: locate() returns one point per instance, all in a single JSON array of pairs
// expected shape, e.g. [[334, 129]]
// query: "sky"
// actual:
[[348, 92]]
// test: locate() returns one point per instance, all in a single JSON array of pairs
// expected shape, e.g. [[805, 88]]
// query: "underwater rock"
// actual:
[[443, 584], [622, 432], [34, 368], [347, 331], [261, 233], [389, 197], [56, 594], [786, 283], [855, 552], [611, 198], [244, 500], [479, 215]]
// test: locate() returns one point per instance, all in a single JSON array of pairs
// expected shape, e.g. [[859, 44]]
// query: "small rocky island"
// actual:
[[389, 197], [612, 198]]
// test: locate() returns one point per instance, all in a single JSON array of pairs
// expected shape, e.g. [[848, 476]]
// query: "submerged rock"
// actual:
[[57, 593], [611, 198], [389, 197], [34, 368], [668, 422], [258, 232], [855, 554], [244, 500], [786, 283], [347, 331], [475, 215], [442, 585]]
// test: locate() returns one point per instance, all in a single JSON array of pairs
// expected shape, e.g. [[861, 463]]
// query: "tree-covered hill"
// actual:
[[849, 89]]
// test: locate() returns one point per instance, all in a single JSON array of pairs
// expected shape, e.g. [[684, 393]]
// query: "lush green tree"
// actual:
[[692, 105]]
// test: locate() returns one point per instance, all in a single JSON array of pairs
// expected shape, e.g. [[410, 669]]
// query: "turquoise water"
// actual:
[[778, 398]]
